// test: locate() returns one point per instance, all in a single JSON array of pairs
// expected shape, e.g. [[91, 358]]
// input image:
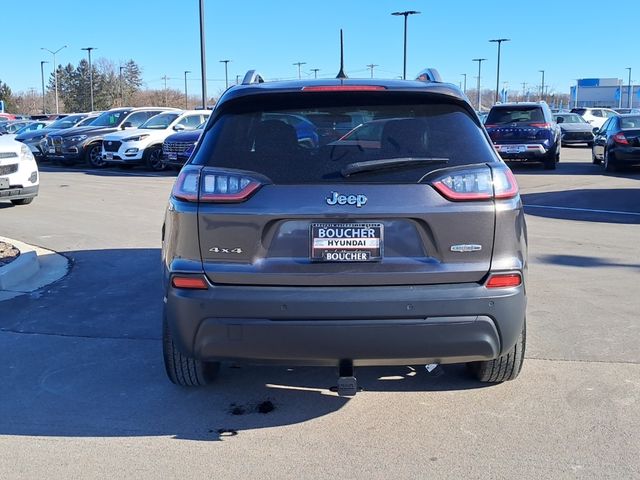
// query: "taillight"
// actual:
[[621, 139], [540, 125], [480, 184], [227, 187], [504, 280], [186, 186], [211, 185]]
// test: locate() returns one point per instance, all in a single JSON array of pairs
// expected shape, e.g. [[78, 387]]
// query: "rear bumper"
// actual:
[[368, 325], [521, 151], [625, 156]]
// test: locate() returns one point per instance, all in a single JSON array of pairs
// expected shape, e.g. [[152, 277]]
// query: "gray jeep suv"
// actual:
[[396, 235]]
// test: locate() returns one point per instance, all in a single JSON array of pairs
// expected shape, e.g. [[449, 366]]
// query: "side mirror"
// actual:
[[126, 125], [179, 128], [596, 130], [560, 120]]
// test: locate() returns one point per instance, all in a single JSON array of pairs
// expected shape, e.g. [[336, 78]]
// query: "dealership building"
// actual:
[[604, 92]]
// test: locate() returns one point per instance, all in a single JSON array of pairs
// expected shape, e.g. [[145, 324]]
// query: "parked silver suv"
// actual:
[[396, 235]]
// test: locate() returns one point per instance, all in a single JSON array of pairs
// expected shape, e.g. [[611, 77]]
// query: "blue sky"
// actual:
[[566, 38]]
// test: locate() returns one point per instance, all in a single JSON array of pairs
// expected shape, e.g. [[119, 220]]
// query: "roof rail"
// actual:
[[429, 75], [252, 76]]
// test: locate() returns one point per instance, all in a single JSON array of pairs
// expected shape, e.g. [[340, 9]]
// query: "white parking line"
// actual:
[[591, 210]]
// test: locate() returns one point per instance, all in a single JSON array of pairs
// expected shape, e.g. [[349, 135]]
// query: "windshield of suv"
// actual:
[[66, 122], [108, 119], [317, 137], [499, 115], [160, 121], [570, 118]]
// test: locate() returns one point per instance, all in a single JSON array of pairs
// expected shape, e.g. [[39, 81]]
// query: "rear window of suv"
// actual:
[[311, 138], [499, 115]]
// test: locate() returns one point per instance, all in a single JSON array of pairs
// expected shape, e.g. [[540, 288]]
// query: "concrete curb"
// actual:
[[34, 268]]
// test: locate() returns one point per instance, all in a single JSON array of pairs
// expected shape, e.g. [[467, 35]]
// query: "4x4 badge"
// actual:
[[338, 199], [225, 250]]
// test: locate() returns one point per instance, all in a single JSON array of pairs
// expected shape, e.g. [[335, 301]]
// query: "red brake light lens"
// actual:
[[541, 125], [344, 88], [190, 283], [620, 138], [504, 280], [478, 184]]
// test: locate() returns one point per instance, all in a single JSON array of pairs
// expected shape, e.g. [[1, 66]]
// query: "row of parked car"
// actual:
[[155, 137], [530, 131]]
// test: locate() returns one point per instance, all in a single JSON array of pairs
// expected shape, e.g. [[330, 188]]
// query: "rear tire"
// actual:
[[22, 201], [504, 368], [608, 166], [182, 369], [551, 159]]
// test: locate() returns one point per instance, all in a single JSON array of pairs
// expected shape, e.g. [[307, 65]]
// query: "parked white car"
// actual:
[[19, 176], [595, 116], [143, 145]]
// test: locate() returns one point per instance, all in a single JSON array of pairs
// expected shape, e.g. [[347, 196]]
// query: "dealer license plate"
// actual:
[[4, 183], [515, 149], [172, 156], [109, 156], [52, 150], [346, 242]]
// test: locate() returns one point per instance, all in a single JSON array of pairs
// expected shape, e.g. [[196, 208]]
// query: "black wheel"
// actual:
[[22, 201], [550, 160], [153, 159], [181, 369], [93, 156], [504, 368], [609, 166]]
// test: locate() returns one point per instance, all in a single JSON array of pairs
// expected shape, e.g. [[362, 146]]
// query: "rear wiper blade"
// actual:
[[386, 163]]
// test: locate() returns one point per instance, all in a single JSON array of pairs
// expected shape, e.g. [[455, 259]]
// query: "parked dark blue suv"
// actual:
[[525, 132]]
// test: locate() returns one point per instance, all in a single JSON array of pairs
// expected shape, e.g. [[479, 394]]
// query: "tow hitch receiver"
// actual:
[[347, 383]]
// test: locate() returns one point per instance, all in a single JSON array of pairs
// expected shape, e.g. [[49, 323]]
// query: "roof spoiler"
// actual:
[[429, 75], [252, 76]]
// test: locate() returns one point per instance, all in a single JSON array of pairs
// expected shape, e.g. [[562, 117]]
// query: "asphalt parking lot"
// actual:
[[85, 393]]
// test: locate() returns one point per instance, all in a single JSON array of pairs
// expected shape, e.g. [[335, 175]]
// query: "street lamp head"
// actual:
[[500, 40], [225, 61], [478, 59], [405, 13]]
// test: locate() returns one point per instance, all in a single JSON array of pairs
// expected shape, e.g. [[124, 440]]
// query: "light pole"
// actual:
[[499, 42], [465, 83], [405, 14], [88, 49], [371, 66], [479, 60], [542, 86], [299, 64], [186, 98], [315, 72], [226, 73], [629, 92], [203, 61], [121, 86], [44, 107], [55, 72]]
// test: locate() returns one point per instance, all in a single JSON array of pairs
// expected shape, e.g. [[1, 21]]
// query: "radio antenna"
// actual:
[[341, 74]]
